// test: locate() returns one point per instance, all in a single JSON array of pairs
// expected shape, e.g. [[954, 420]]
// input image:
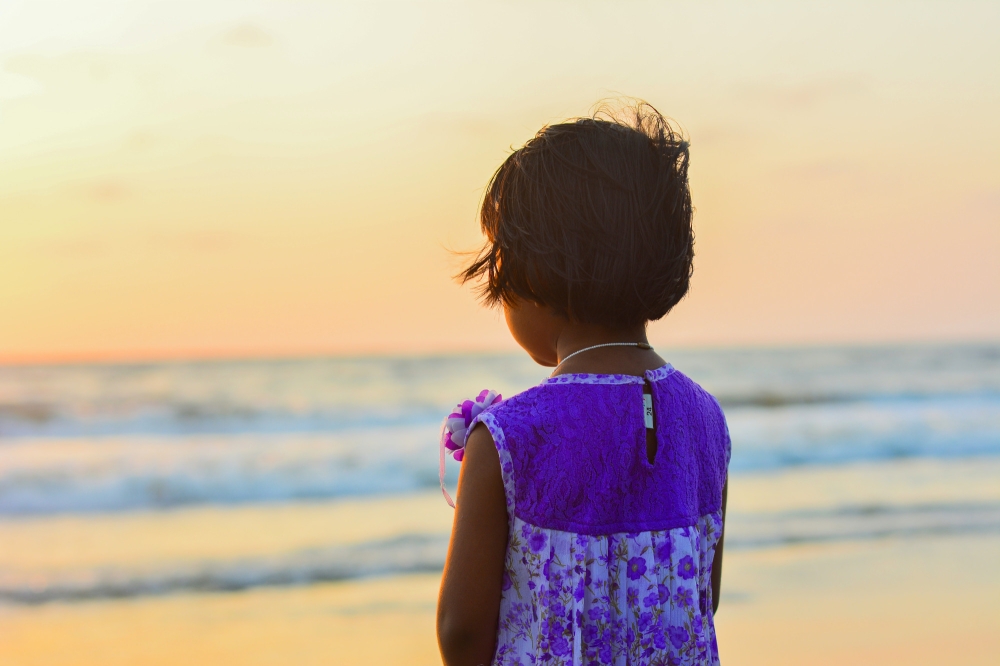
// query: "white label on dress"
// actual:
[[647, 402]]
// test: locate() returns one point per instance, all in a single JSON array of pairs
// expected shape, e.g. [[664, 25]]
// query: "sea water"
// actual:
[[829, 445]]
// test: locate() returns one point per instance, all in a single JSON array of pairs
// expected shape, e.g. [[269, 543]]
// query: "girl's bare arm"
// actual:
[[469, 603]]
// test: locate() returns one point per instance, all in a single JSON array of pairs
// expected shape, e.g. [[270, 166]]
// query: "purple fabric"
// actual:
[[577, 446], [609, 558]]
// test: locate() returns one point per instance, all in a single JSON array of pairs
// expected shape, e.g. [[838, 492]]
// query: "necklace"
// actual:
[[640, 345]]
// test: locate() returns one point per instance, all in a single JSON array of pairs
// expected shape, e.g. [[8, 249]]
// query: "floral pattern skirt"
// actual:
[[629, 598]]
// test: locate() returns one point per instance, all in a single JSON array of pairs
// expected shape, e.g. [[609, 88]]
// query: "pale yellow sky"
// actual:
[[242, 178]]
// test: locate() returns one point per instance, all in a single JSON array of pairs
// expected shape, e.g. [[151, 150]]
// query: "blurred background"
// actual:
[[228, 330]]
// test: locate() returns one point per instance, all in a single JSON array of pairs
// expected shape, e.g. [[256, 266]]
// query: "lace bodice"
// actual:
[[609, 556]]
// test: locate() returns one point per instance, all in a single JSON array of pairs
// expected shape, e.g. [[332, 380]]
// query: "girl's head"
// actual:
[[591, 220]]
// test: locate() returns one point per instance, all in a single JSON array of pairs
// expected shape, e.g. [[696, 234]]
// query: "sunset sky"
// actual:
[[287, 178]]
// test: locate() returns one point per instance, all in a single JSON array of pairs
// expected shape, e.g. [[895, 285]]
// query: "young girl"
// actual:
[[590, 508]]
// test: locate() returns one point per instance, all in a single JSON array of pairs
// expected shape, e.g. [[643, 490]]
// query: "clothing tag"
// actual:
[[647, 403]]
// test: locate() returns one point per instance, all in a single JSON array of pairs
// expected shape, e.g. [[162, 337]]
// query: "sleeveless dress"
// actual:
[[609, 557]]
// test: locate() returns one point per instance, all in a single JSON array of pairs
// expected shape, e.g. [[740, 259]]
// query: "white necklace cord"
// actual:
[[640, 345]]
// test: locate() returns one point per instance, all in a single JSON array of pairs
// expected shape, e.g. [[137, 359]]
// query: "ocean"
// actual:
[[139, 480]]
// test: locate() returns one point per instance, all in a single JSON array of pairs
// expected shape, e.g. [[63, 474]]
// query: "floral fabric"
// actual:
[[609, 556]]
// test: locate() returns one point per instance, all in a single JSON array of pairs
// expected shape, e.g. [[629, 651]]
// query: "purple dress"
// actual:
[[609, 557]]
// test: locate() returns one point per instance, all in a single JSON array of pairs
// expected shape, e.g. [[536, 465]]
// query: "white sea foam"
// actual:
[[141, 472], [121, 437]]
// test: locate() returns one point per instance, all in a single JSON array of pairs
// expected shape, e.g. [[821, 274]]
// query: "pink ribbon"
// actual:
[[455, 431]]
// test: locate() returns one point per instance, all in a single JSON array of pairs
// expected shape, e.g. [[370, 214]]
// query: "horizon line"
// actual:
[[206, 356]]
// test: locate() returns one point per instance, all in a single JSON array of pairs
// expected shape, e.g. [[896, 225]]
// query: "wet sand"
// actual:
[[911, 598], [385, 621], [916, 601], [908, 601]]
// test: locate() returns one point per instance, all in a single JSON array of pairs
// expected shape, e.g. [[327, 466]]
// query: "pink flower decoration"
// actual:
[[456, 429]]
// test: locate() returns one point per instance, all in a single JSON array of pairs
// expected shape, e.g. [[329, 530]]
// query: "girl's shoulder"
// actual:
[[515, 406]]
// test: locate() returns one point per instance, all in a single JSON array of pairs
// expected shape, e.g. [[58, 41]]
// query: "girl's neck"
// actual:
[[623, 360]]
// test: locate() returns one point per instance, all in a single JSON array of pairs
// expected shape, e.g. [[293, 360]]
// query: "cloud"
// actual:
[[719, 134], [107, 191], [76, 247], [246, 35], [140, 141], [469, 124], [14, 85], [982, 207], [198, 241], [804, 95], [67, 67], [823, 170]]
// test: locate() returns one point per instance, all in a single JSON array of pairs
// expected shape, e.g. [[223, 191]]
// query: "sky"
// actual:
[[198, 179]]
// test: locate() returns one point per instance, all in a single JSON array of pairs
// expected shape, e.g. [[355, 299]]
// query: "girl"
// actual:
[[591, 507]]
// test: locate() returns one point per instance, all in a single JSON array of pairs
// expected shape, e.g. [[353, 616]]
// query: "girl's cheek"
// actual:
[[531, 328]]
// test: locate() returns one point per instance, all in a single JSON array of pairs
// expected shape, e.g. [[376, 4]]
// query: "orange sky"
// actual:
[[245, 178]]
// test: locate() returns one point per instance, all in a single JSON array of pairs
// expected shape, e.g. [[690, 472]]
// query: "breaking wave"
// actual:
[[86, 438]]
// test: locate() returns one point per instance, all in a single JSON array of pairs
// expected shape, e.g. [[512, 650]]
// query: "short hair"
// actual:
[[591, 217]]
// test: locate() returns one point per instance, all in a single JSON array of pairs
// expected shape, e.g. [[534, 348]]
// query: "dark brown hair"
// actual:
[[592, 217]]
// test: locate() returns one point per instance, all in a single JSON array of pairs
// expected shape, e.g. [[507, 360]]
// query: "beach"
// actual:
[[820, 606], [917, 600], [287, 512]]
